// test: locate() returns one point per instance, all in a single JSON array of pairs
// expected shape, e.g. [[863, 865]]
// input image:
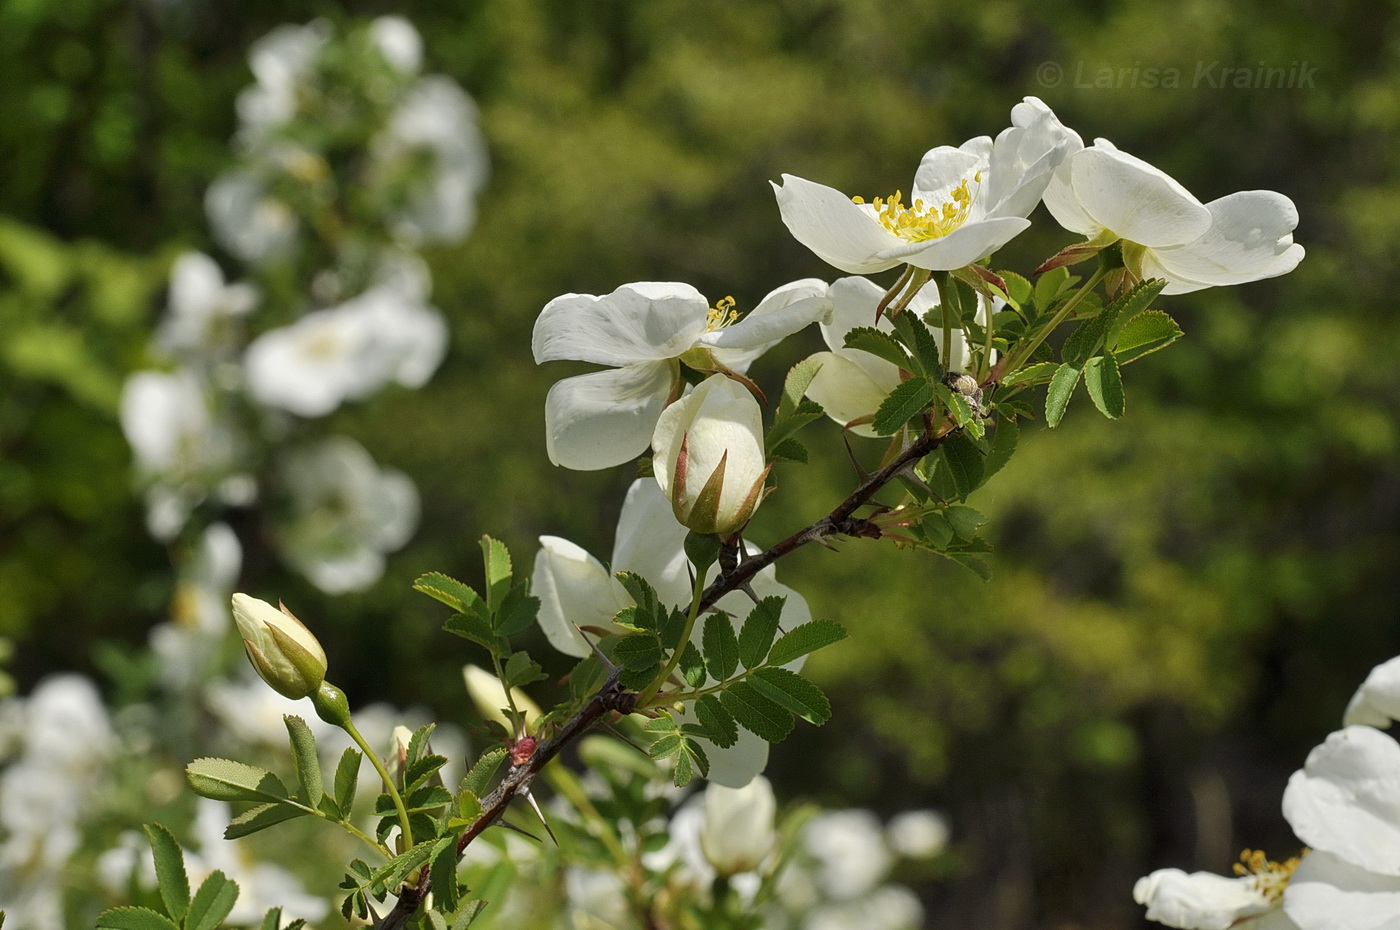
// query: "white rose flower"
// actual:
[[642, 331], [1107, 195], [965, 202], [738, 832]]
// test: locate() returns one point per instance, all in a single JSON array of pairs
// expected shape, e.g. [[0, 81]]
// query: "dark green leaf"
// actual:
[[174, 884], [1004, 440], [641, 591], [516, 611], [1050, 285], [790, 451], [638, 651], [1105, 384], [793, 692], [978, 567], [211, 903], [272, 920], [672, 629], [755, 712], [449, 591], [260, 818], [922, 344], [446, 891], [421, 770], [347, 777], [756, 635], [1144, 334], [809, 637], [906, 401], [692, 666], [307, 762], [878, 344], [522, 670], [1057, 396], [134, 918], [226, 780], [428, 798], [721, 648], [937, 531], [965, 462], [1031, 374], [474, 627], [964, 521], [724, 732]]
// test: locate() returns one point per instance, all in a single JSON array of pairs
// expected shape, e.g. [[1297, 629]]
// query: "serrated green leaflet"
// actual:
[[448, 590], [881, 345], [134, 918], [522, 670], [724, 732], [936, 529], [799, 377], [692, 666], [304, 757], [638, 652], [1144, 334], [444, 874], [793, 692], [474, 627], [1105, 384], [211, 903], [1018, 289], [347, 777], [906, 401], [778, 435], [516, 611], [260, 818], [420, 770], [720, 646], [755, 712], [495, 559], [921, 344], [226, 780], [965, 463], [1004, 440], [1031, 374], [1048, 287], [809, 637], [1133, 304], [1057, 396], [789, 451], [479, 777], [756, 635], [171, 879]]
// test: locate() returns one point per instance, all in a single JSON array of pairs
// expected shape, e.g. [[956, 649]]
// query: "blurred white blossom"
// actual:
[[201, 306], [919, 834], [343, 513], [849, 846]]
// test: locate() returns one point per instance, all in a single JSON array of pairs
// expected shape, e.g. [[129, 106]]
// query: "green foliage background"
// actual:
[[1183, 601]]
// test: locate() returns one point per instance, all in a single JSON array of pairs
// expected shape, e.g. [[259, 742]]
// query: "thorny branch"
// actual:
[[613, 697]]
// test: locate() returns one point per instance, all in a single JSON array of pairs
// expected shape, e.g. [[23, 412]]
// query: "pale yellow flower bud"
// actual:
[[281, 648]]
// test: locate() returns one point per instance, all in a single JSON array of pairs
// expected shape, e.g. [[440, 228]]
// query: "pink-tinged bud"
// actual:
[[709, 456], [281, 648]]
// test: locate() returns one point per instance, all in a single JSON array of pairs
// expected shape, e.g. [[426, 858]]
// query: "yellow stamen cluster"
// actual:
[[920, 222], [1269, 877], [721, 315]]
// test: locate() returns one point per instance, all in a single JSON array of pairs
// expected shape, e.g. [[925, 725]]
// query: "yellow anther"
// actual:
[[1270, 877], [921, 222], [721, 315]]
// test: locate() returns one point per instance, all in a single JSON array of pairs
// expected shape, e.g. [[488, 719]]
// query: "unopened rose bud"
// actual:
[[282, 650], [738, 833], [709, 456]]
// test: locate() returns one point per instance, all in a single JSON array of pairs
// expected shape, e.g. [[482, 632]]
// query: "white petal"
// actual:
[[833, 226], [1025, 157], [787, 310], [853, 301], [575, 590], [1326, 893], [942, 170], [1377, 702], [605, 418], [1250, 238], [644, 322], [1199, 901], [848, 389], [1346, 799], [1137, 201], [650, 542], [971, 241]]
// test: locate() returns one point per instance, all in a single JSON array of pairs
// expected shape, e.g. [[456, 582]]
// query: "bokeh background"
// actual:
[[1182, 602]]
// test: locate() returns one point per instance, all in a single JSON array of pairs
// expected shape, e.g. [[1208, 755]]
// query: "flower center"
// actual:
[[1270, 877], [721, 315], [919, 221]]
